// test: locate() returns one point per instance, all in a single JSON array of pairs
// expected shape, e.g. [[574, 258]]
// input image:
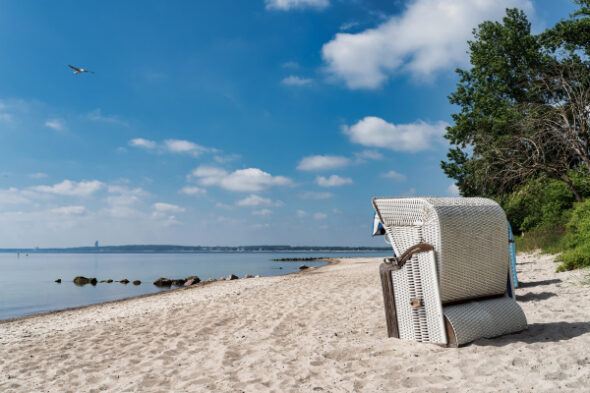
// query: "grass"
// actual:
[[549, 241]]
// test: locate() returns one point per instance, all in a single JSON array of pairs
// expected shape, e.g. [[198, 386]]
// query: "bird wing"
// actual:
[[74, 68]]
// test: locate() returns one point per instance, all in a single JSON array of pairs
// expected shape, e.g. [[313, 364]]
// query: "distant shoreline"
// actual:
[[165, 249]]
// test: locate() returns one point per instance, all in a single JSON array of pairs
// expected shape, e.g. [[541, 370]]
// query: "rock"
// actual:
[[195, 279], [192, 281], [81, 280], [232, 277], [178, 283], [109, 281], [163, 282], [303, 267], [136, 282], [124, 281], [248, 276], [58, 281]]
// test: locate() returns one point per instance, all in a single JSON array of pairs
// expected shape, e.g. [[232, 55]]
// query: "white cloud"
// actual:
[[316, 195], [285, 5], [250, 179], [429, 36], [256, 200], [38, 175], [301, 213], [294, 80], [56, 124], [69, 210], [182, 146], [144, 143], [348, 25], [320, 216], [262, 212], [393, 175], [96, 115], [376, 132], [192, 190], [12, 196], [453, 190], [72, 188], [167, 207], [332, 181], [318, 163]]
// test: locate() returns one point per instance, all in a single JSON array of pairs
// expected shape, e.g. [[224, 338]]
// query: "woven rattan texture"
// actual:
[[485, 319]]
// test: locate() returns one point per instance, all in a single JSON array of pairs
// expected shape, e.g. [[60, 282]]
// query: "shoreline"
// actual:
[[201, 284], [319, 329]]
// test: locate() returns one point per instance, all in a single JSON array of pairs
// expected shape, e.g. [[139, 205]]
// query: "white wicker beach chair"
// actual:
[[446, 283]]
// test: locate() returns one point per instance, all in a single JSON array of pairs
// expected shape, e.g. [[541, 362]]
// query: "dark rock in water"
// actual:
[[192, 281], [248, 276], [195, 279], [178, 283], [58, 281], [232, 277], [124, 281], [303, 267], [163, 282], [109, 281], [136, 282], [81, 280]]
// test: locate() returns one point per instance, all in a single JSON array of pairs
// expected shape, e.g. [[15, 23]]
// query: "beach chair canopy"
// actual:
[[447, 283]]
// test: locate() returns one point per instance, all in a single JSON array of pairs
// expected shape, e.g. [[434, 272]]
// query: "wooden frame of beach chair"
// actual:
[[446, 283]]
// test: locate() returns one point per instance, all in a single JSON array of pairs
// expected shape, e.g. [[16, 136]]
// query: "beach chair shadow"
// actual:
[[540, 333], [535, 296], [531, 284]]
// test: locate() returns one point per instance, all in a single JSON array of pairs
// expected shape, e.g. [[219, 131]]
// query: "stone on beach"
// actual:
[[178, 282], [58, 281], [136, 282], [232, 277], [163, 282], [124, 281], [192, 280], [303, 267]]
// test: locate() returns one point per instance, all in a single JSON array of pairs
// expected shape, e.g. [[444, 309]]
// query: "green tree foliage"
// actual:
[[577, 239]]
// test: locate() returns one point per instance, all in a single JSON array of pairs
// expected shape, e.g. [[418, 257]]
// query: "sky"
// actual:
[[226, 122]]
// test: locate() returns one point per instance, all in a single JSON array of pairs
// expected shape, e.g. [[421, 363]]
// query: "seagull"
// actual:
[[79, 70]]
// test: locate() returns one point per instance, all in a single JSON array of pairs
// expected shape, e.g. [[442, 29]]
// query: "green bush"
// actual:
[[538, 204], [577, 239]]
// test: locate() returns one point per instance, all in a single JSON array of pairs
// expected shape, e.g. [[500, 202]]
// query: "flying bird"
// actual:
[[79, 70]]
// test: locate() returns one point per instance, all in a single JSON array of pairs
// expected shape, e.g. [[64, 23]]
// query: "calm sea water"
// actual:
[[27, 282]]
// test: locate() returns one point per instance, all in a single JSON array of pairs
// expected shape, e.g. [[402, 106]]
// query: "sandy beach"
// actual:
[[319, 330]]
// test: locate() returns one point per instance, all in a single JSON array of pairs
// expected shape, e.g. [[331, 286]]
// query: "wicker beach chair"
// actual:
[[447, 281]]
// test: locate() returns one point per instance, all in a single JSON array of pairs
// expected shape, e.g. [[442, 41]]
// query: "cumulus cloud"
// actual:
[[376, 132], [248, 180], [167, 207], [286, 5], [393, 175], [429, 36], [453, 190], [192, 190], [12, 196], [143, 143], [332, 181], [56, 124], [320, 216], [256, 200], [182, 146], [301, 213], [69, 210], [262, 212], [72, 188], [38, 175], [318, 163], [294, 80]]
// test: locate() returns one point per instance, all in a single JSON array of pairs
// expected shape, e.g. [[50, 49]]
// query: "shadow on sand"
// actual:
[[540, 333], [537, 283], [535, 296]]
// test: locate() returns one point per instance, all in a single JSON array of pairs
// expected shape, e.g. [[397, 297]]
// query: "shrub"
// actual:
[[577, 239]]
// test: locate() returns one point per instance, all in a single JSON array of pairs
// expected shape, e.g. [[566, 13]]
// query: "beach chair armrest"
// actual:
[[399, 262]]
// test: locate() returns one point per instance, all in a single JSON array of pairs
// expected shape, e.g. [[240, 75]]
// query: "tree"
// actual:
[[525, 111]]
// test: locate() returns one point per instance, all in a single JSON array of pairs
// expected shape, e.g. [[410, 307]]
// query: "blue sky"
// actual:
[[224, 122]]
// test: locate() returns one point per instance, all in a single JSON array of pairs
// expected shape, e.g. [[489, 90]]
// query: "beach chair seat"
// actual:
[[447, 281]]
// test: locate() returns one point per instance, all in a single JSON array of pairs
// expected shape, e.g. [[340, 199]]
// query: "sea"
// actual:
[[27, 280]]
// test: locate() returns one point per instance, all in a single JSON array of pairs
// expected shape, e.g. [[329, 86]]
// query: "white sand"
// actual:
[[323, 330]]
